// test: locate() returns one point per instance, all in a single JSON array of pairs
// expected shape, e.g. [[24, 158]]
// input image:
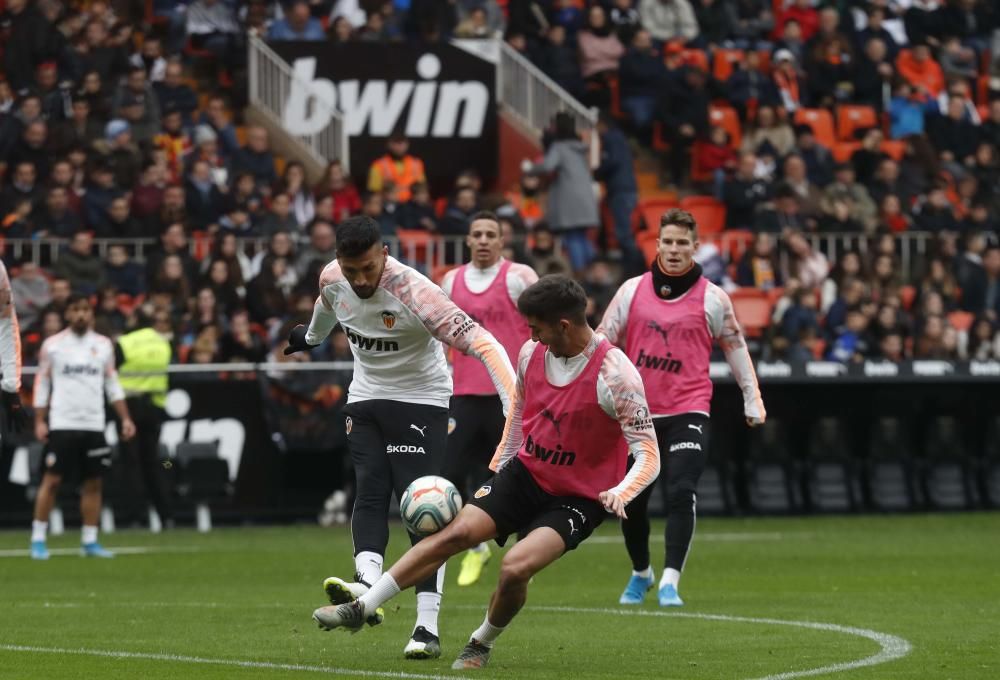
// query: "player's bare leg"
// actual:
[[90, 511], [537, 550], [44, 502], [471, 527]]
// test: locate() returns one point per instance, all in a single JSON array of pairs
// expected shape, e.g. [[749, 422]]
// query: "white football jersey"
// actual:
[[10, 337], [75, 374], [396, 337]]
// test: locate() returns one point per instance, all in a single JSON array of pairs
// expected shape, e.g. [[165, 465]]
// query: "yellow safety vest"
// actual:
[[145, 351]]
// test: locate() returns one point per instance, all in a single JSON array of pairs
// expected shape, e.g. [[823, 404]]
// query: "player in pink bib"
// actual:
[[666, 320], [578, 411], [486, 289]]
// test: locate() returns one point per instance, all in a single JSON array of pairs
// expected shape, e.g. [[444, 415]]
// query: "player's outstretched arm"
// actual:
[[510, 442], [615, 319], [726, 329], [630, 408]]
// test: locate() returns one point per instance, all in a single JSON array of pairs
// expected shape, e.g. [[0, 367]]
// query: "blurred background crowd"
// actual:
[[842, 159]]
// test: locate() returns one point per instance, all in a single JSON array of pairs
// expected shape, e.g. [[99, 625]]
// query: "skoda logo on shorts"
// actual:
[[347, 424], [483, 491]]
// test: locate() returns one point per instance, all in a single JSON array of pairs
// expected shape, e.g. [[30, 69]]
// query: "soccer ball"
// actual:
[[429, 504]]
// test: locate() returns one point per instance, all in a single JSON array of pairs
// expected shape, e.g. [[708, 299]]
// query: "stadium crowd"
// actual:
[[123, 120]]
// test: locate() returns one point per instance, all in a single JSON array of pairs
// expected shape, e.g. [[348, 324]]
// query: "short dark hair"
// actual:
[[484, 215], [75, 298], [553, 298], [356, 235], [680, 218]]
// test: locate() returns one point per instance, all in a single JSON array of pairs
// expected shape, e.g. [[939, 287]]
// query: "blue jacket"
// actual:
[[616, 164], [280, 30]]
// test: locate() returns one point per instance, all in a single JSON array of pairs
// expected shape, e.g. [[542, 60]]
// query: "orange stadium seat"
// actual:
[[708, 212], [893, 148], [735, 242], [660, 142], [438, 272], [652, 210], [415, 241], [852, 117], [722, 63], [842, 151], [695, 58], [961, 321], [907, 294], [752, 309], [725, 116], [821, 121]]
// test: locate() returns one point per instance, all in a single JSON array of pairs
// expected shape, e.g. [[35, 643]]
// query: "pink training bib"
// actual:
[[495, 311], [571, 446], [669, 342]]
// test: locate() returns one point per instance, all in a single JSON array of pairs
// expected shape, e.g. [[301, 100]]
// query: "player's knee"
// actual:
[[514, 573], [459, 536], [680, 499]]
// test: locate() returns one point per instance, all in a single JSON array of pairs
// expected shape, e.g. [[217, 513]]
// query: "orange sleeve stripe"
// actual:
[[494, 364], [646, 475]]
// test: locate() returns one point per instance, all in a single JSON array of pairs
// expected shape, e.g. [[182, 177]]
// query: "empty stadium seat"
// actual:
[[725, 116], [842, 151], [960, 320], [830, 481], [202, 478], [753, 310], [946, 471], [821, 122], [889, 479], [708, 212], [770, 471], [723, 61], [852, 117]]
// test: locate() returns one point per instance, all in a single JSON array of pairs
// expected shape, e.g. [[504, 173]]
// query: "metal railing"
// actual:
[[534, 98], [432, 252], [271, 82]]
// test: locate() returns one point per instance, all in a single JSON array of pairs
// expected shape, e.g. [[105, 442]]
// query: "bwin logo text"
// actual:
[[376, 109]]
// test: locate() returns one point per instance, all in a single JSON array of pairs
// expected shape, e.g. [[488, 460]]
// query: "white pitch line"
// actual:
[[236, 663], [892, 647], [122, 550]]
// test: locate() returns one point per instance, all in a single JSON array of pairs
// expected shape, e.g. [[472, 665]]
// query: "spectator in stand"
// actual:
[[866, 159], [174, 94], [876, 30], [397, 166], [212, 26], [268, 292], [206, 148], [981, 284], [567, 15], [829, 73], [119, 223], [845, 189], [297, 25], [939, 279], [600, 53], [544, 257], [135, 101], [293, 183], [621, 190], [784, 213], [808, 266], [800, 315], [175, 142], [891, 215], [818, 159], [81, 128], [92, 89], [839, 220], [804, 14], [907, 111], [226, 247], [173, 242], [203, 312], [758, 268], [936, 341], [527, 201], [625, 19], [373, 206], [791, 41], [716, 156], [225, 282], [55, 219], [873, 75], [810, 196], [684, 113], [151, 58], [786, 79], [80, 265], [101, 190], [848, 267], [60, 290], [954, 137], [558, 60], [641, 75], [336, 183], [29, 110], [31, 292], [32, 39], [202, 198], [216, 117], [572, 207], [851, 343], [748, 85], [241, 343], [918, 67], [884, 281], [475, 24], [768, 136], [31, 148], [934, 212], [669, 19], [716, 22], [983, 340], [109, 319], [279, 217], [23, 187], [957, 61], [463, 206], [244, 196], [744, 193], [118, 151], [123, 273], [256, 157], [418, 212], [886, 182], [320, 251]]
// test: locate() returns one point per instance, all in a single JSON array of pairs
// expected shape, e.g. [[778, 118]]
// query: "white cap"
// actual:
[[782, 55]]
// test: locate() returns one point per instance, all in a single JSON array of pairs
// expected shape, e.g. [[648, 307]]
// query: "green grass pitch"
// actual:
[[214, 605]]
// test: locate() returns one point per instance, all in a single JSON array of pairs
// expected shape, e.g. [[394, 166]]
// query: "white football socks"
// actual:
[[382, 590], [88, 535], [38, 530], [368, 567], [646, 573], [487, 633], [428, 606], [481, 548], [670, 577]]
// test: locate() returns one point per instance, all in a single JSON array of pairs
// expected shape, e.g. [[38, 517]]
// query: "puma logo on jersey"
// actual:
[[696, 427], [572, 527], [664, 333], [419, 429], [555, 421]]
